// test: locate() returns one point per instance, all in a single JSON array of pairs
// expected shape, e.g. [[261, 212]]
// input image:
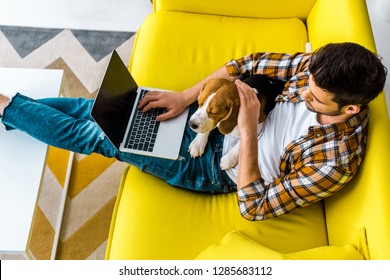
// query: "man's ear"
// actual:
[[351, 109], [227, 124]]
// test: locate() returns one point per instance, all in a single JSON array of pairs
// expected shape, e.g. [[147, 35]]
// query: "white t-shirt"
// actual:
[[285, 123]]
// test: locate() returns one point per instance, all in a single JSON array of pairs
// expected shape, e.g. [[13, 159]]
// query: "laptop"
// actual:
[[130, 130]]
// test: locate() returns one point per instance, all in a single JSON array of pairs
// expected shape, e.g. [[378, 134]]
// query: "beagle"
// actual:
[[218, 107]]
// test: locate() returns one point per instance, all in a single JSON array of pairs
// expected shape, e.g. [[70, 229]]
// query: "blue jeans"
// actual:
[[66, 123]]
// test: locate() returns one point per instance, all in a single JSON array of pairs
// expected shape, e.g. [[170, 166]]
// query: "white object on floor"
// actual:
[[22, 162]]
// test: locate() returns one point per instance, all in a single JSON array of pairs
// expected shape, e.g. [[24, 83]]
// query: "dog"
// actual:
[[219, 104]]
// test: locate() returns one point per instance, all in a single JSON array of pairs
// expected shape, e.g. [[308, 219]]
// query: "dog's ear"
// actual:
[[201, 90], [227, 124]]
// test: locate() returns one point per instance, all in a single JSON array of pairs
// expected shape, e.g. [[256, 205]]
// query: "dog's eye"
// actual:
[[212, 111]]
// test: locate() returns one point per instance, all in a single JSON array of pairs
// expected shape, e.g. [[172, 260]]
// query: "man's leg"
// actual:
[[66, 123], [4, 100], [55, 126], [78, 108], [201, 174]]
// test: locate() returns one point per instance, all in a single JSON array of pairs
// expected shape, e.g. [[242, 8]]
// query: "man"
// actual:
[[312, 144]]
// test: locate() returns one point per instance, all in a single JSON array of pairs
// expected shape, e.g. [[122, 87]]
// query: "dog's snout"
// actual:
[[192, 125]]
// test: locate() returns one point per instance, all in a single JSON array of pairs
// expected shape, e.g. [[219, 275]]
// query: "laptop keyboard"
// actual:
[[143, 130]]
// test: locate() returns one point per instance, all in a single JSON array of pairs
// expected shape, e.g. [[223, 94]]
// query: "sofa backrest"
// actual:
[[243, 8], [340, 21]]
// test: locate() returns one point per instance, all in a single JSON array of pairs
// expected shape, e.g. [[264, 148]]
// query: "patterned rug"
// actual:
[[94, 180]]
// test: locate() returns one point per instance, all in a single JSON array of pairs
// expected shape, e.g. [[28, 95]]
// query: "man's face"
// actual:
[[319, 101]]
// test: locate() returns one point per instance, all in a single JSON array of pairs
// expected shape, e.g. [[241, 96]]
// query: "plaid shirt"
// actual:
[[313, 166]]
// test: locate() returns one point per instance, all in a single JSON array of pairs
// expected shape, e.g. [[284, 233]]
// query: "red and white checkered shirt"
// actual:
[[312, 167]]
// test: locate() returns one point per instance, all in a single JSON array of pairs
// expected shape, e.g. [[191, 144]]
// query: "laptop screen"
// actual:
[[115, 100]]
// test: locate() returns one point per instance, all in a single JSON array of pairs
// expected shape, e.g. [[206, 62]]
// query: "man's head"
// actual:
[[350, 73]]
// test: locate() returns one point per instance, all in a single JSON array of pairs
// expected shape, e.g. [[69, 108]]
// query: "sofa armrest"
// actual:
[[244, 8], [364, 202]]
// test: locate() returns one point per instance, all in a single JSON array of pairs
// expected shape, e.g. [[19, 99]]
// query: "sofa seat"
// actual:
[[180, 224], [190, 46]]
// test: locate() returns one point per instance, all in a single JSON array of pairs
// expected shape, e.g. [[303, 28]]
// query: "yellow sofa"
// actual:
[[180, 43]]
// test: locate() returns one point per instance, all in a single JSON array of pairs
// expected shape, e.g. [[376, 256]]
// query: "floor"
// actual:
[[127, 15]]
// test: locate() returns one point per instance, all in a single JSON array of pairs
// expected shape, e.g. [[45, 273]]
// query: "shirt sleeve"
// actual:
[[275, 65], [258, 201]]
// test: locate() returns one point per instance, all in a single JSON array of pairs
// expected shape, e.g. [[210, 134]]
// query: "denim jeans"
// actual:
[[66, 123]]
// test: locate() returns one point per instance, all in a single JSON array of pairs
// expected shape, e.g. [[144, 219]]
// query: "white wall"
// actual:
[[109, 15], [381, 30]]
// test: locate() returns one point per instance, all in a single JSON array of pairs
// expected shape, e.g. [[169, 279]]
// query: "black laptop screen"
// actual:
[[115, 100]]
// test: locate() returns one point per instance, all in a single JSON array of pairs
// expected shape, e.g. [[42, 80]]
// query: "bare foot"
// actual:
[[4, 100]]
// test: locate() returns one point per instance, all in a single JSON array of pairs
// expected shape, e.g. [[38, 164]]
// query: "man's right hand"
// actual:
[[174, 103]]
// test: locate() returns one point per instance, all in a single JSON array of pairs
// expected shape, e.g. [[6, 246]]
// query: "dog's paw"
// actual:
[[196, 149], [197, 146], [228, 161]]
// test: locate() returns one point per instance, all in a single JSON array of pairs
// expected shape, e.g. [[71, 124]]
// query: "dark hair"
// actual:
[[352, 73]]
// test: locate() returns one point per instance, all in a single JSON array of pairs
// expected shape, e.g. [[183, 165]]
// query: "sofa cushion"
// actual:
[[237, 246], [153, 220], [175, 50]]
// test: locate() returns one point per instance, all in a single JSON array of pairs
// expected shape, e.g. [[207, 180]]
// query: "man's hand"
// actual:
[[248, 117], [174, 102], [249, 112]]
